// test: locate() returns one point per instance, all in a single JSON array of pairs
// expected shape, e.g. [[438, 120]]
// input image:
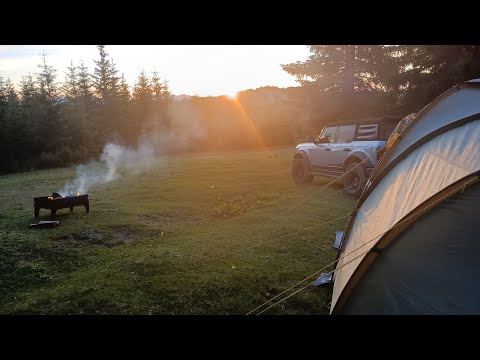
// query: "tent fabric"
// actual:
[[423, 173], [448, 108], [430, 268]]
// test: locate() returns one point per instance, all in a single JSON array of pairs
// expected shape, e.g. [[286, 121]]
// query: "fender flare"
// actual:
[[302, 155], [356, 157]]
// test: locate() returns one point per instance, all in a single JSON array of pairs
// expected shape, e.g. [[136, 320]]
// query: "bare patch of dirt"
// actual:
[[87, 238], [24, 264], [125, 235], [119, 235], [89, 235]]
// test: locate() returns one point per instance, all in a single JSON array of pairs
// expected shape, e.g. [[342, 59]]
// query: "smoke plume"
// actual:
[[117, 161]]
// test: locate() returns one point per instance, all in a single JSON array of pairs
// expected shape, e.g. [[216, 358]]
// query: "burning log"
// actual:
[[56, 202]]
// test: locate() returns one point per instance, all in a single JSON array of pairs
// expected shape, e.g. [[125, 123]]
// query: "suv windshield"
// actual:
[[328, 133]]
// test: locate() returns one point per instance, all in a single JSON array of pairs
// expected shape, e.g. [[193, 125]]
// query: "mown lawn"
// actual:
[[196, 234]]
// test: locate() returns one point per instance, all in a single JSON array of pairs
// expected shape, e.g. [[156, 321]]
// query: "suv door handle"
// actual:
[[347, 149], [327, 149]]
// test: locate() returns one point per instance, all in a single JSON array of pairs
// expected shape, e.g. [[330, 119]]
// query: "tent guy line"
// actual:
[[304, 287], [319, 191], [269, 241], [463, 186], [280, 237]]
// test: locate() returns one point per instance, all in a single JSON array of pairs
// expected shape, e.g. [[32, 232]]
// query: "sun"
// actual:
[[232, 96]]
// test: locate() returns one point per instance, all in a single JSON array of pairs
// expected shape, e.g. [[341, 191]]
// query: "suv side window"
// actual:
[[367, 132], [329, 133], [346, 133]]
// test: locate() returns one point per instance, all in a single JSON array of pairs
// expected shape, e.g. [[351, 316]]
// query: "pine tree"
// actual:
[[101, 74], [29, 94], [426, 71], [3, 100], [28, 88], [348, 80], [105, 77], [84, 84], [46, 80], [48, 130], [161, 97], [344, 68], [127, 125], [105, 83], [10, 92], [70, 87], [166, 94], [124, 91], [142, 91], [11, 129], [160, 91], [143, 108], [88, 127], [3, 91], [157, 87], [113, 86]]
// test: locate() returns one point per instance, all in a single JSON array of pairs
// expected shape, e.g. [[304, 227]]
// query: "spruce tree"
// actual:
[[84, 83], [142, 91], [46, 80], [124, 91], [70, 86], [101, 75], [344, 68], [28, 89], [113, 86]]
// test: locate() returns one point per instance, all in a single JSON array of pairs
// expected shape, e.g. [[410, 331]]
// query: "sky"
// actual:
[[204, 70]]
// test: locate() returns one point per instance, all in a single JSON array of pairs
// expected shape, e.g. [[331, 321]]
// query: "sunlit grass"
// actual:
[[159, 243]]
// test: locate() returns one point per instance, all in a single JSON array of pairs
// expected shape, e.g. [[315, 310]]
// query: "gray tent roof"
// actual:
[[440, 149], [455, 104]]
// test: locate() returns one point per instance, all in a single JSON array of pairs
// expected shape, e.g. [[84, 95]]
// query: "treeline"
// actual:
[[46, 122], [365, 80]]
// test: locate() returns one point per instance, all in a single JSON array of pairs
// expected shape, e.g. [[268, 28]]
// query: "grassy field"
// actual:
[[196, 234]]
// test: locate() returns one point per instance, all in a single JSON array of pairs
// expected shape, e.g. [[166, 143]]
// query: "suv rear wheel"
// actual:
[[354, 180], [300, 172]]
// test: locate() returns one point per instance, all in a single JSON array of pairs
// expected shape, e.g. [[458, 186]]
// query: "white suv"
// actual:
[[340, 147]]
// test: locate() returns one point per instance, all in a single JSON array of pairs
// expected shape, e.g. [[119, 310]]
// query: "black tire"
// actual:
[[354, 180], [300, 172]]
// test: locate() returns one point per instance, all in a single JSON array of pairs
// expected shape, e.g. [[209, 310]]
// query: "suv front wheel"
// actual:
[[300, 172], [354, 180]]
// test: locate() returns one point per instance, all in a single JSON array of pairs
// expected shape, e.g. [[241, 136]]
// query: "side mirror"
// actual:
[[310, 138]]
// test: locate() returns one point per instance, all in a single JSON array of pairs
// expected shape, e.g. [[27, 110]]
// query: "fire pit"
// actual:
[[56, 201]]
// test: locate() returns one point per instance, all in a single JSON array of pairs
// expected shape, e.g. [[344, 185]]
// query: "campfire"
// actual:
[[56, 202], [57, 195]]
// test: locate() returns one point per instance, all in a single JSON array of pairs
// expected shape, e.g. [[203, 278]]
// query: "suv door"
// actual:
[[320, 154], [343, 145]]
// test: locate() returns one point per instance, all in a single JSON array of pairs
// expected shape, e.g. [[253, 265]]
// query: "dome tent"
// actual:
[[412, 245]]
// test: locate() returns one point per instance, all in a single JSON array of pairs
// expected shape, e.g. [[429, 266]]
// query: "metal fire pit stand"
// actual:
[[44, 202]]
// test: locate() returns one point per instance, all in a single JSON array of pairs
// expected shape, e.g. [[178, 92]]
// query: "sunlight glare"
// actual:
[[232, 96]]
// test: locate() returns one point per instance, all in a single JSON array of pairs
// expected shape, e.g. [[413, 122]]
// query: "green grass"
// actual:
[[197, 234]]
